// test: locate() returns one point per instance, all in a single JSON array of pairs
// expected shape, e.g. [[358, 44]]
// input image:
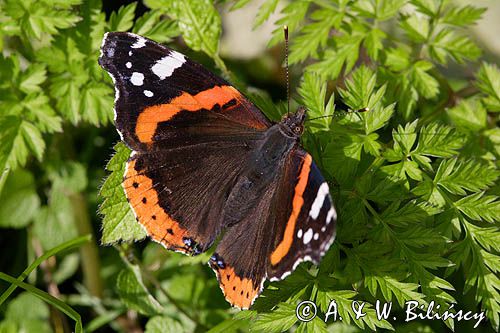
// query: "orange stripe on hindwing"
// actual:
[[150, 117], [284, 246], [144, 201]]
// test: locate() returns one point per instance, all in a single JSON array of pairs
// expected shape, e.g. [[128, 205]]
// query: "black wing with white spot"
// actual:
[[157, 87], [310, 224]]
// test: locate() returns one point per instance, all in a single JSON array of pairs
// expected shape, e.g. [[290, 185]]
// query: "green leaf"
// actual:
[[428, 7], [200, 25], [313, 95], [448, 43], [118, 223], [55, 223], [265, 10], [281, 319], [163, 324], [31, 79], [18, 139], [457, 176], [389, 286], [314, 35], [416, 27], [479, 207], [438, 140], [359, 92], [423, 82], [155, 27], [463, 16], [293, 15], [488, 81], [19, 200], [469, 115], [134, 293], [35, 320], [333, 60], [123, 19], [374, 42], [41, 113], [39, 19]]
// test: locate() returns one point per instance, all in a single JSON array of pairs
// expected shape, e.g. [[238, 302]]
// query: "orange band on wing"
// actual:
[[284, 246], [144, 201], [238, 291], [150, 117]]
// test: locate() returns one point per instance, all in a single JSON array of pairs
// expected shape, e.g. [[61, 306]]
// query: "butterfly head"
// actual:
[[293, 124]]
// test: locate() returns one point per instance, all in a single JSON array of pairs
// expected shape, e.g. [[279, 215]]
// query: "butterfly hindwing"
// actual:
[[309, 228], [293, 221]]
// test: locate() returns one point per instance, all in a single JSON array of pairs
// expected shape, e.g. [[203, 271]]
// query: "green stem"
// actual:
[[89, 252], [60, 305], [74, 243]]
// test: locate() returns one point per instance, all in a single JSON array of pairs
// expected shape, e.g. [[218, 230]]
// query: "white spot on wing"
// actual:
[[308, 236], [148, 93], [137, 79], [141, 42], [128, 64], [323, 191], [316, 236], [332, 214], [299, 233], [129, 53], [164, 67]]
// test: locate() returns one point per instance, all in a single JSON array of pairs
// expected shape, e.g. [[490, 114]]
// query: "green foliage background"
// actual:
[[414, 179]]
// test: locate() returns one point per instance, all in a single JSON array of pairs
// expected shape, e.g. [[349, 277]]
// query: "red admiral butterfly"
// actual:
[[206, 160]]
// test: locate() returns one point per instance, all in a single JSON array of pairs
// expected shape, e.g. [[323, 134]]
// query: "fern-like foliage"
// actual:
[[414, 179]]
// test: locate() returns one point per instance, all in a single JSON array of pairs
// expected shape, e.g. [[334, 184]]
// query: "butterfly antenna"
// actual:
[[340, 114], [285, 30]]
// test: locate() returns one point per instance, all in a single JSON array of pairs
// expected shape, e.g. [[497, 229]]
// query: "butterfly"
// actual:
[[206, 164]]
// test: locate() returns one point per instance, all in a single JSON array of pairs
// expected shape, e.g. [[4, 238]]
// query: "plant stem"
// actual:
[[89, 252]]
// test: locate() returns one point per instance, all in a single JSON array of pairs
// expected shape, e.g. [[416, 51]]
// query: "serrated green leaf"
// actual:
[[123, 19], [457, 176], [134, 293], [416, 28], [314, 35], [469, 115], [200, 25], [359, 89], [31, 79], [281, 319], [333, 60], [153, 26], [41, 113], [424, 83], [118, 223], [448, 43], [463, 16], [479, 207], [265, 10], [313, 95], [293, 14], [438, 140], [428, 7], [488, 81], [19, 138]]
